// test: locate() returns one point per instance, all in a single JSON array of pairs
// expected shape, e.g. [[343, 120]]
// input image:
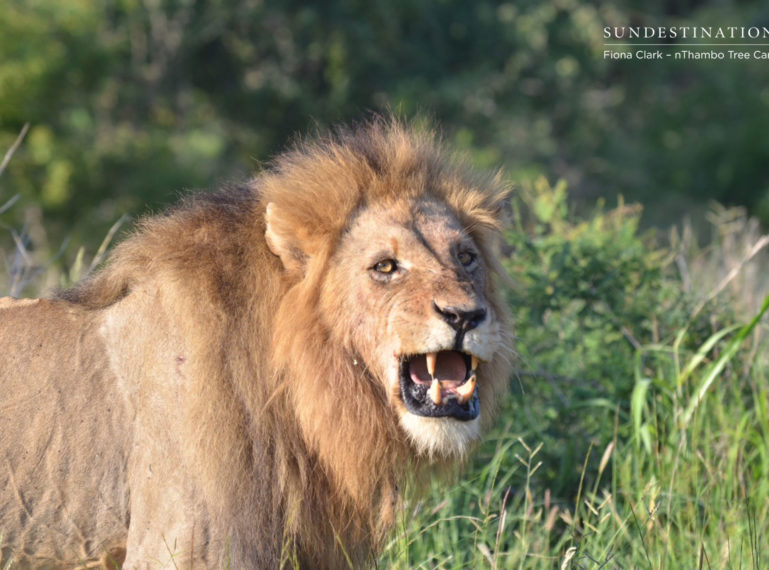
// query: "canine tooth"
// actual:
[[465, 391], [432, 359], [435, 392], [473, 362]]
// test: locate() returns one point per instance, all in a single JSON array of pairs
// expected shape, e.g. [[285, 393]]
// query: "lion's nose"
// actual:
[[461, 319]]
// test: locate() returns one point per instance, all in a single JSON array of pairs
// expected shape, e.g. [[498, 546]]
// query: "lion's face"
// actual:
[[406, 290]]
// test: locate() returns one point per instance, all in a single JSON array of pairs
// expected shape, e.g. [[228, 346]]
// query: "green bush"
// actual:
[[589, 294]]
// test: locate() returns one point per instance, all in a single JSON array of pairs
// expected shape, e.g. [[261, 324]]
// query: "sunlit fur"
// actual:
[[295, 447]]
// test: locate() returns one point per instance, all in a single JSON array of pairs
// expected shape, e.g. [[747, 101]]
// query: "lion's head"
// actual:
[[393, 254]]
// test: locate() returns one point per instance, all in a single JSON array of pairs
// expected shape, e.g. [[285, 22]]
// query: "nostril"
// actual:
[[449, 314], [461, 319]]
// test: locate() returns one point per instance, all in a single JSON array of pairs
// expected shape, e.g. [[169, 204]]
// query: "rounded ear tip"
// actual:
[[270, 234], [282, 241]]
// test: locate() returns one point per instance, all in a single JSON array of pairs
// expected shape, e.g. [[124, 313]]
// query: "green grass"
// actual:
[[696, 497]]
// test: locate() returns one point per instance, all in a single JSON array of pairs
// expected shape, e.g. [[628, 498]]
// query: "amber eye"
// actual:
[[466, 258], [386, 266]]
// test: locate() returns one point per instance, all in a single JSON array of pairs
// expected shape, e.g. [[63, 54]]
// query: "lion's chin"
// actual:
[[440, 437]]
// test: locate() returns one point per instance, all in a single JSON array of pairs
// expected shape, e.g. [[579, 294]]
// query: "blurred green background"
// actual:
[[131, 102]]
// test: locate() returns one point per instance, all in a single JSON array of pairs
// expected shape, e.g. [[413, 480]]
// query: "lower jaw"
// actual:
[[423, 407]]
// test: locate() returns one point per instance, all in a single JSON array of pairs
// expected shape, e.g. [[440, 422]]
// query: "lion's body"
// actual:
[[219, 395]]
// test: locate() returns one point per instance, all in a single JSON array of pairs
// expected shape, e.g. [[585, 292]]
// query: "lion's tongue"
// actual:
[[449, 366]]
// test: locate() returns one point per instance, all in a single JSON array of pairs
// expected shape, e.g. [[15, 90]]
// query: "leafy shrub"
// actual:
[[588, 295]]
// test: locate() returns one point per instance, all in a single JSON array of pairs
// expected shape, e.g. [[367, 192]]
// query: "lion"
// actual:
[[256, 376]]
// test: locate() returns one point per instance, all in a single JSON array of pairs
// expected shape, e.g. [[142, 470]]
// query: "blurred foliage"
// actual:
[[133, 101]]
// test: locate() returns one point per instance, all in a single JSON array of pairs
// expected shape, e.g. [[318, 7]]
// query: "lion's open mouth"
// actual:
[[440, 384]]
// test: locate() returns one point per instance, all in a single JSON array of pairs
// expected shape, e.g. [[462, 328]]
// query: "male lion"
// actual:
[[256, 374]]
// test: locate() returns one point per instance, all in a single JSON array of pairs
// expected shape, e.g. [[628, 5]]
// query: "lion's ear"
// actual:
[[283, 241]]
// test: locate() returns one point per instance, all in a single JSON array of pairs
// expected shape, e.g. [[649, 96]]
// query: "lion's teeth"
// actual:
[[435, 392], [432, 359], [473, 362], [466, 390]]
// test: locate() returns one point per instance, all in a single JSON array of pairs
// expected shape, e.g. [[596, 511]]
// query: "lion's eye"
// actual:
[[466, 258], [386, 266]]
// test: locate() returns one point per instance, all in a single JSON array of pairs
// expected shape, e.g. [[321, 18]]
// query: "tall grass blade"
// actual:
[[14, 147], [637, 404], [7, 206], [703, 351], [97, 259], [729, 352]]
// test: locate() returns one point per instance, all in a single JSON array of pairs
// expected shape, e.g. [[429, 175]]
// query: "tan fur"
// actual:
[[223, 394]]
